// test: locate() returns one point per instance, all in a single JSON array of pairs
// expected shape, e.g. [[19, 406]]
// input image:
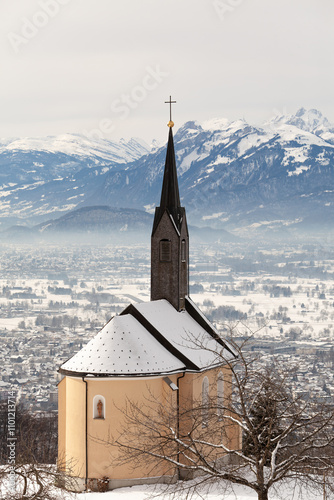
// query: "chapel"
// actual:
[[147, 350]]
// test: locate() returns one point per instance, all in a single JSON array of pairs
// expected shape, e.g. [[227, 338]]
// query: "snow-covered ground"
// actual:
[[286, 492], [218, 491]]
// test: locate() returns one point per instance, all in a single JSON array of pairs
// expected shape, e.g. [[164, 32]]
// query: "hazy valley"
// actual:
[[55, 298]]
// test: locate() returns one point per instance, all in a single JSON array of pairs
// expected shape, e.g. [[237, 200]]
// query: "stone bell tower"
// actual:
[[170, 238]]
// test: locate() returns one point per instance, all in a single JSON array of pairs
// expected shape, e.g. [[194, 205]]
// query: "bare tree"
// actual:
[[284, 437], [28, 457], [32, 481], [35, 434]]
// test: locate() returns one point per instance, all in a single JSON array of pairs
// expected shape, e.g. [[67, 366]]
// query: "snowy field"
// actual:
[[286, 491], [310, 305]]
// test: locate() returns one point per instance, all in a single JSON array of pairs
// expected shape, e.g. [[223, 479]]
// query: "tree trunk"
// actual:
[[262, 495]]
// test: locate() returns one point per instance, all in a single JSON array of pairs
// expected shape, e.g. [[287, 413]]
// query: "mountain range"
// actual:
[[245, 178]]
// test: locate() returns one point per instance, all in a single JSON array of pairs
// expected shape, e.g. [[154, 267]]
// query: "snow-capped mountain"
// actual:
[[50, 175], [79, 146], [231, 174], [239, 175], [308, 120]]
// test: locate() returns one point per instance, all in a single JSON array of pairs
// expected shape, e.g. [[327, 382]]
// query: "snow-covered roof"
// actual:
[[149, 339], [123, 347], [184, 333]]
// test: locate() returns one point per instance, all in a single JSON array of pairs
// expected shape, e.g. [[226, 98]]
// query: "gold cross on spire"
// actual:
[[170, 124]]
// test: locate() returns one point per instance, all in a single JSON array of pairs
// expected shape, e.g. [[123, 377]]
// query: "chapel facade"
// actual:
[[145, 352]]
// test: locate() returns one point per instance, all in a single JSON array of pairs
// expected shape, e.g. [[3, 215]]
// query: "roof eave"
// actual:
[[69, 373]]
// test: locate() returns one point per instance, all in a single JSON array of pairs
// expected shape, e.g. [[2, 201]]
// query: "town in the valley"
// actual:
[[54, 298]]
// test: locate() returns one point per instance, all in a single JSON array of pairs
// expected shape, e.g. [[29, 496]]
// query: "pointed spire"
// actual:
[[170, 238], [170, 197]]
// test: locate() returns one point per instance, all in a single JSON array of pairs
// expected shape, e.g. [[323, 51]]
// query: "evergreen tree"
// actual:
[[264, 423]]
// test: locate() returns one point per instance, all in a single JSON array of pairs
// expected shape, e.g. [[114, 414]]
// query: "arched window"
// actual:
[[205, 402], [220, 395], [165, 251], [183, 251], [99, 407]]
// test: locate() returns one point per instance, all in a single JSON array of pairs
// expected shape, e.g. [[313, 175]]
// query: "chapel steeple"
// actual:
[[170, 238]]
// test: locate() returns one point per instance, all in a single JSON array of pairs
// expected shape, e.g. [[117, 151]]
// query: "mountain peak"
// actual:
[[225, 167], [216, 124], [309, 120], [189, 130]]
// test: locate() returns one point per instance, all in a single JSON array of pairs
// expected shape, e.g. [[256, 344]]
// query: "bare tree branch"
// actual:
[[283, 437]]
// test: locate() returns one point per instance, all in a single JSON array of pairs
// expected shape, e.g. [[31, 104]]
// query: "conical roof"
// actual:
[[170, 197], [123, 347], [150, 339]]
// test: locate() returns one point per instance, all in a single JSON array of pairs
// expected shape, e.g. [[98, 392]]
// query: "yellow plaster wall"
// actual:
[[103, 460], [62, 423], [102, 457], [72, 426], [220, 431]]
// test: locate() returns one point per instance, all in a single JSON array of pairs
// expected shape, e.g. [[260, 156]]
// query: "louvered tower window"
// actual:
[[165, 251]]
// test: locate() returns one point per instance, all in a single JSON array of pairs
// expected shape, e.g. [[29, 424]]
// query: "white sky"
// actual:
[[239, 59]]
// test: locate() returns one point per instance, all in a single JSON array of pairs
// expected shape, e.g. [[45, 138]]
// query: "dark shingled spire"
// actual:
[[170, 197], [170, 238]]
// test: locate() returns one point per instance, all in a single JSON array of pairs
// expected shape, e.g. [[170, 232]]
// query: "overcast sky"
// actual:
[[104, 67]]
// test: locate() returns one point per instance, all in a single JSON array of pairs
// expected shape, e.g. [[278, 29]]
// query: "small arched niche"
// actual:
[[99, 407]]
